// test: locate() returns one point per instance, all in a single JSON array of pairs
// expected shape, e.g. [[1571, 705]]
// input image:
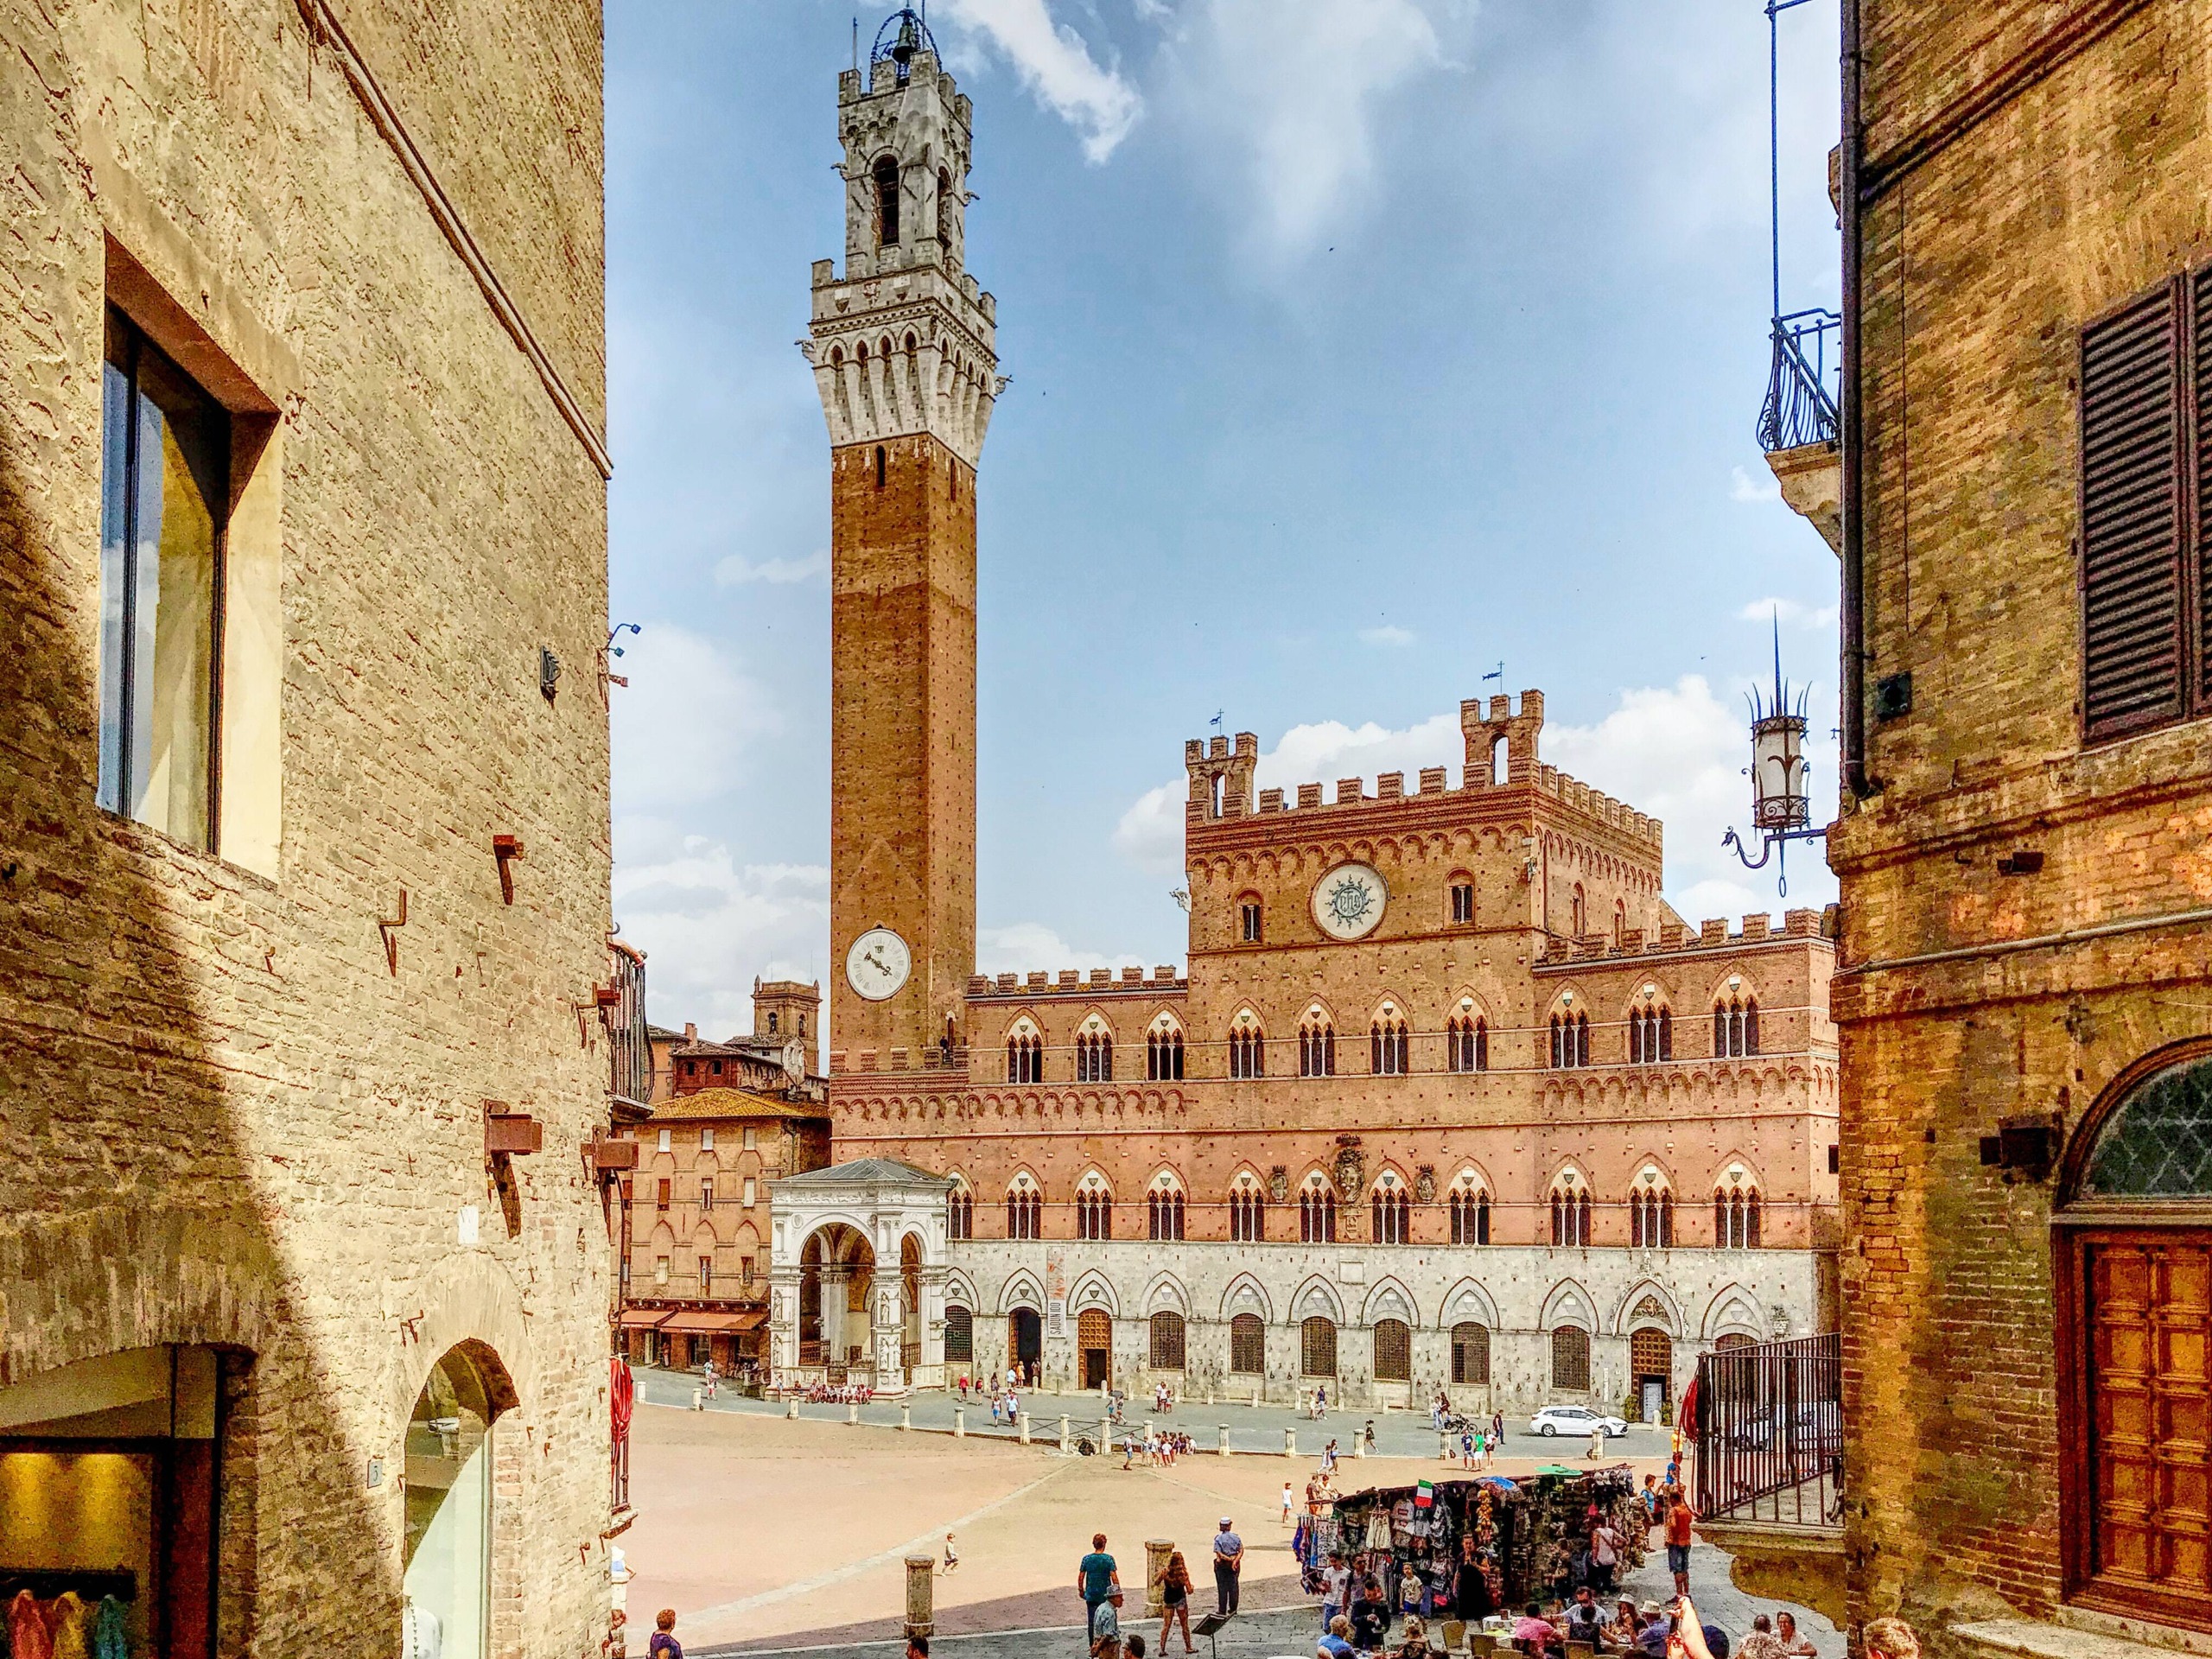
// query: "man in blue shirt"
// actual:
[[1096, 1576], [1228, 1561]]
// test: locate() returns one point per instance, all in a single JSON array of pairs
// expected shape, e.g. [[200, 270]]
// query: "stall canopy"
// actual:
[[700, 1322], [642, 1318]]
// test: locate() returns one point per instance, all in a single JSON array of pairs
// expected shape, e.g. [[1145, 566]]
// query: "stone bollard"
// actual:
[[1444, 1447], [698, 1399], [960, 1422], [1256, 1399], [1221, 1429], [1359, 1445], [1066, 1447], [921, 1595], [1147, 1430], [905, 1415], [853, 1412], [790, 1408], [1290, 1442], [1024, 1425], [1156, 1552]]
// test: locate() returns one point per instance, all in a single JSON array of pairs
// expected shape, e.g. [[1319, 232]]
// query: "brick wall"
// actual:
[[223, 1119]]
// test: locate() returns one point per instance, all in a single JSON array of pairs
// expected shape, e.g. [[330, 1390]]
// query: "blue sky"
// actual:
[[1358, 345]]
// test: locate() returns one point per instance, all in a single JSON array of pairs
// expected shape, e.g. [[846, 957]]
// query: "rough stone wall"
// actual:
[[1983, 260], [223, 1120], [902, 793]]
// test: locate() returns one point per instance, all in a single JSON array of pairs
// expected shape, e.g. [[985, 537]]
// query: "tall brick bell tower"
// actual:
[[902, 345]]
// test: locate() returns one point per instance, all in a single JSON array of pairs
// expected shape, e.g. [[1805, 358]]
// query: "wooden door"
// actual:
[[2145, 1302], [1094, 1337]]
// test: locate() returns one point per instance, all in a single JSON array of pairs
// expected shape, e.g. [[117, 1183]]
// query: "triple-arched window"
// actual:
[[1736, 1217], [1652, 1218], [1570, 1039], [1317, 1049], [1317, 1213], [1650, 1035], [1570, 1216], [1247, 1212], [1466, 1043], [1248, 1053], [1094, 1056], [1390, 1048], [1163, 1055], [1025, 1058], [1025, 1211], [1392, 1211], [1470, 1216], [1736, 1028], [1164, 1213], [1093, 1212]]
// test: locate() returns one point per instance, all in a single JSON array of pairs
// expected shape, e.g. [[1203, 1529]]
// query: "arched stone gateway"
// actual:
[[455, 1454], [857, 1276]]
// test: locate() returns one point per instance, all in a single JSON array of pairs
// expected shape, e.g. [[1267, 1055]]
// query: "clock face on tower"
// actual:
[[878, 965], [1348, 901]]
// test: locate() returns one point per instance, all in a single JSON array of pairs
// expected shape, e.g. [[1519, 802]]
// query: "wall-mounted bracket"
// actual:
[[389, 926], [508, 849]]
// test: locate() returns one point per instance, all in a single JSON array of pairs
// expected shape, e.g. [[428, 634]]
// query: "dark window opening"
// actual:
[[886, 201]]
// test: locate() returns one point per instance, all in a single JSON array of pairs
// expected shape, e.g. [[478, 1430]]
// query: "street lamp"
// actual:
[[1782, 802]]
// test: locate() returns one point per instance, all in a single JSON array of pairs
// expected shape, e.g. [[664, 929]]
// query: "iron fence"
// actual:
[[1799, 408], [1767, 1423]]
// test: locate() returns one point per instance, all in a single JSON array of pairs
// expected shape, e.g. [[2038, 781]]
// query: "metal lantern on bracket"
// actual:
[[1782, 802]]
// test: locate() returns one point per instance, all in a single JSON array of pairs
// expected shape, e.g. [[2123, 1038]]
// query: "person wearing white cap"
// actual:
[[1228, 1561]]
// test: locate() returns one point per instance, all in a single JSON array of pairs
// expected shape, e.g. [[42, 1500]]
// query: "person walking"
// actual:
[[1605, 1543], [1106, 1624], [1336, 1590], [1287, 1503], [1496, 1428], [1175, 1600], [1228, 1562], [1096, 1576], [665, 1645], [951, 1557]]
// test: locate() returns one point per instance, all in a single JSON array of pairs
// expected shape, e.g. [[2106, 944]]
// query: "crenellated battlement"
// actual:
[[1074, 981], [1674, 938]]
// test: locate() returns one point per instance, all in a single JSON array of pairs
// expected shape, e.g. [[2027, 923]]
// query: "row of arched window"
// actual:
[[1167, 1348], [1736, 1216], [1650, 1041]]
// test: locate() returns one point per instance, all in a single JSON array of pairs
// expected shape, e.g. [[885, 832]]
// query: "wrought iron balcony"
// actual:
[[1800, 408]]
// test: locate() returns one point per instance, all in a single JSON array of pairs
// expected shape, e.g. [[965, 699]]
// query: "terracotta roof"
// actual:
[[710, 1105], [866, 1172]]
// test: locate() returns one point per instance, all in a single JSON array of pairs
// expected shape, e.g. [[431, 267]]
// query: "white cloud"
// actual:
[[708, 924], [684, 727], [1057, 67], [1294, 85], [736, 569], [1676, 752], [1792, 614], [1022, 946], [1746, 488], [1386, 635]]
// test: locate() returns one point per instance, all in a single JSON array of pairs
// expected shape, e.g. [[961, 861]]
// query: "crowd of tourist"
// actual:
[[845, 1394]]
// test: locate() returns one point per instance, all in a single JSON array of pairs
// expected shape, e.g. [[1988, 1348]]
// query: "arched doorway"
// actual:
[[2134, 1327], [446, 1609], [1651, 1372], [837, 1271], [910, 1306], [1094, 1342], [1024, 1341]]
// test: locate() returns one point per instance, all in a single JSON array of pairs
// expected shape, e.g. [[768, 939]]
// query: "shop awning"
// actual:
[[705, 1323], [642, 1318]]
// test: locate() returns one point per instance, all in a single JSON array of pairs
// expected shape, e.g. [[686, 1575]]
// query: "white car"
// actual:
[[1578, 1421]]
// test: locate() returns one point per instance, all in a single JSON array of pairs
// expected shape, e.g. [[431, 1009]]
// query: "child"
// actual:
[[951, 1556]]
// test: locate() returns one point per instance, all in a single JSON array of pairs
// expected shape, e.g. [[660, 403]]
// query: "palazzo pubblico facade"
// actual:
[[1448, 1095]]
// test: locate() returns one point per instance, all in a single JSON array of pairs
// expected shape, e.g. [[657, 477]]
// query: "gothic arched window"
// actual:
[[1163, 1055], [1390, 1049], [1317, 1049], [1736, 1028], [1094, 1058], [886, 201], [1392, 1214], [1466, 1043], [1247, 1212], [1316, 1214], [1247, 1053]]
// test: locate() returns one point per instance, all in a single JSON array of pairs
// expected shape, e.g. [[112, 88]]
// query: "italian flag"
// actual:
[[1424, 1495]]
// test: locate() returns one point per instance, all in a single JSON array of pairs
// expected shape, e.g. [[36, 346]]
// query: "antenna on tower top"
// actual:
[[856, 44]]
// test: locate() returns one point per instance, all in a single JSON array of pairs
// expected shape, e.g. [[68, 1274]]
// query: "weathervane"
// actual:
[[1781, 803]]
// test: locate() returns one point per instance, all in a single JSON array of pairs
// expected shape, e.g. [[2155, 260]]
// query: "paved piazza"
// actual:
[[767, 1533]]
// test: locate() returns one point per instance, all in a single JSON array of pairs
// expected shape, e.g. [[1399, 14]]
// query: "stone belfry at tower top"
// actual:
[[902, 350], [904, 341]]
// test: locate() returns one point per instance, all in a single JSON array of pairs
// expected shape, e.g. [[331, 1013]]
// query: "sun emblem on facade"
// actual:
[[1348, 901]]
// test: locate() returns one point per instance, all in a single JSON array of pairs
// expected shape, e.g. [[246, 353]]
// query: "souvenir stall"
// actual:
[[1469, 1548]]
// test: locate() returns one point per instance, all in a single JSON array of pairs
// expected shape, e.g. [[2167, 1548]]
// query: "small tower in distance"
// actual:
[[783, 1009], [903, 349]]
